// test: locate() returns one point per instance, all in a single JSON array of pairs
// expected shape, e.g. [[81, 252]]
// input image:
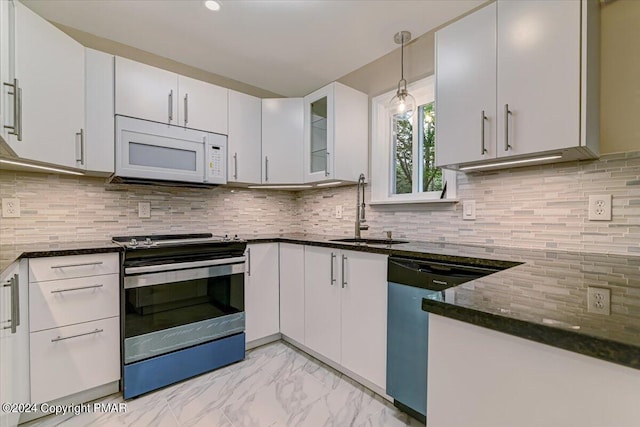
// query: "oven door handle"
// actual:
[[182, 265]]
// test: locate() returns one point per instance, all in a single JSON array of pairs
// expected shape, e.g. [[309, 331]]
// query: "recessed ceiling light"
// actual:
[[212, 5]]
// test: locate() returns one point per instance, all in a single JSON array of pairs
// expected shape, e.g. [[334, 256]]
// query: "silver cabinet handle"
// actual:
[[186, 109], [170, 105], [344, 276], [266, 169], [333, 279], [16, 129], [59, 338], [440, 282], [326, 169], [83, 264], [81, 151], [76, 289], [235, 166], [14, 285], [483, 119], [249, 261], [507, 113]]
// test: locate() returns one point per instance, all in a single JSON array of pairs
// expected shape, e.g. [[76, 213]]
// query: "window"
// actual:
[[403, 152]]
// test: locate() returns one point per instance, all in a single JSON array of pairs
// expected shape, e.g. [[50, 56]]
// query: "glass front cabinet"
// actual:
[[335, 134]]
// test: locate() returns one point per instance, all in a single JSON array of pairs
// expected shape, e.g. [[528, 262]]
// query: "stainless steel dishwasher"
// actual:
[[411, 280]]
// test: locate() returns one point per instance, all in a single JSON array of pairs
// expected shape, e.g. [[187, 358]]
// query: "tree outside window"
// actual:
[[406, 155]]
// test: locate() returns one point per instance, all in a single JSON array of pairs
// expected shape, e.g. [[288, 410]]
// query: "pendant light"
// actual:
[[402, 105]]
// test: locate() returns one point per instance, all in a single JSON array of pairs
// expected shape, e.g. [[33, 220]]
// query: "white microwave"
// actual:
[[156, 153]]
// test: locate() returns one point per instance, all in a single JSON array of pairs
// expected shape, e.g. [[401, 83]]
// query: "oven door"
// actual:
[[165, 311]]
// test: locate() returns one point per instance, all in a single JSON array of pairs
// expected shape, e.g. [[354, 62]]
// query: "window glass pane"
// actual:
[[431, 176], [402, 156]]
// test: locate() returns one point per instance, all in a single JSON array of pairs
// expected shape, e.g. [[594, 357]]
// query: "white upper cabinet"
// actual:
[[7, 68], [518, 80], [146, 92], [245, 138], [335, 134], [202, 105], [49, 69], [97, 151], [466, 88], [150, 93], [282, 136], [539, 76]]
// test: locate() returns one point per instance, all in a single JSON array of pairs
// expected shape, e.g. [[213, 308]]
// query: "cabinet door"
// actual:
[[465, 87], [319, 120], [539, 76], [261, 291], [245, 138], [292, 291], [14, 347], [99, 136], [146, 92], [364, 315], [322, 301], [350, 155], [50, 70], [282, 136], [7, 67], [202, 105]]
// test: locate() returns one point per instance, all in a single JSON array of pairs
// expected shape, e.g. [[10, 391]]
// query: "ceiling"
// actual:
[[290, 47]]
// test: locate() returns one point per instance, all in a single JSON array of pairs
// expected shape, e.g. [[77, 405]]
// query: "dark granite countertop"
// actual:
[[541, 295]]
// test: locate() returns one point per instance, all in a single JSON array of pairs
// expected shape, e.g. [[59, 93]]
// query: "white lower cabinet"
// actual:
[[261, 293], [74, 358], [292, 291], [74, 307], [346, 309]]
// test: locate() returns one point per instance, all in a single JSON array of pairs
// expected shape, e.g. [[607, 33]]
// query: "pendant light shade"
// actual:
[[402, 105]]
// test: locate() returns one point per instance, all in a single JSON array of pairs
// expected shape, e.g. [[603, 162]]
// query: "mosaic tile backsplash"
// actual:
[[533, 207]]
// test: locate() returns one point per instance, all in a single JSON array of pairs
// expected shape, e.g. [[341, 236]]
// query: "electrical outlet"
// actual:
[[599, 300], [339, 212], [11, 208], [144, 210], [600, 207], [469, 210]]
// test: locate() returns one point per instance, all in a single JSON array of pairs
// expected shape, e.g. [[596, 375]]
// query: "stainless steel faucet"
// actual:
[[360, 216]]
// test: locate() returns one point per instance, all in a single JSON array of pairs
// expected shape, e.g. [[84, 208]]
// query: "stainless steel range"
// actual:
[[182, 308]]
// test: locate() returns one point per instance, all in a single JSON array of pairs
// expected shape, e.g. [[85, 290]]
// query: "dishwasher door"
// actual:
[[407, 347], [411, 280]]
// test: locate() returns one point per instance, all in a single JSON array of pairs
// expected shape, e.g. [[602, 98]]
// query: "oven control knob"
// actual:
[[235, 237], [226, 237], [133, 242], [147, 241]]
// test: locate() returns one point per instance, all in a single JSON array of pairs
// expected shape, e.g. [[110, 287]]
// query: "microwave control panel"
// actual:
[[216, 162]]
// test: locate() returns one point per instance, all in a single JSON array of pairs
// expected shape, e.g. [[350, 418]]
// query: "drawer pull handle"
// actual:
[[84, 264], [59, 338], [76, 289], [440, 282]]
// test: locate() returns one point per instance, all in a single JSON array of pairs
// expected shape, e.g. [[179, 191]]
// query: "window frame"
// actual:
[[382, 170]]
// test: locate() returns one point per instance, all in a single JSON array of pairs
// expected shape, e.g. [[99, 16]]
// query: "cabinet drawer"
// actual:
[[58, 303], [74, 358], [68, 267]]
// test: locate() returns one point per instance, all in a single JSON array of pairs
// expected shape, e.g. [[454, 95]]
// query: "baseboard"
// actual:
[[263, 341], [76, 399], [368, 384]]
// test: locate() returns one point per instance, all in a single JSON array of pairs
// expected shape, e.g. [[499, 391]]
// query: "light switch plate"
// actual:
[[144, 210], [339, 211], [469, 210]]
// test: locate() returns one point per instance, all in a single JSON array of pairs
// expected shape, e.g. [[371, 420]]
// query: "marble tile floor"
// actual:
[[276, 385]]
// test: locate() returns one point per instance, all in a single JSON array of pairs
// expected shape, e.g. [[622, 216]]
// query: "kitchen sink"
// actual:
[[370, 241]]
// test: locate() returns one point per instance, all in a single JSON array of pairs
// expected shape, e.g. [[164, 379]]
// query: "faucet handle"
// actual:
[[389, 234]]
